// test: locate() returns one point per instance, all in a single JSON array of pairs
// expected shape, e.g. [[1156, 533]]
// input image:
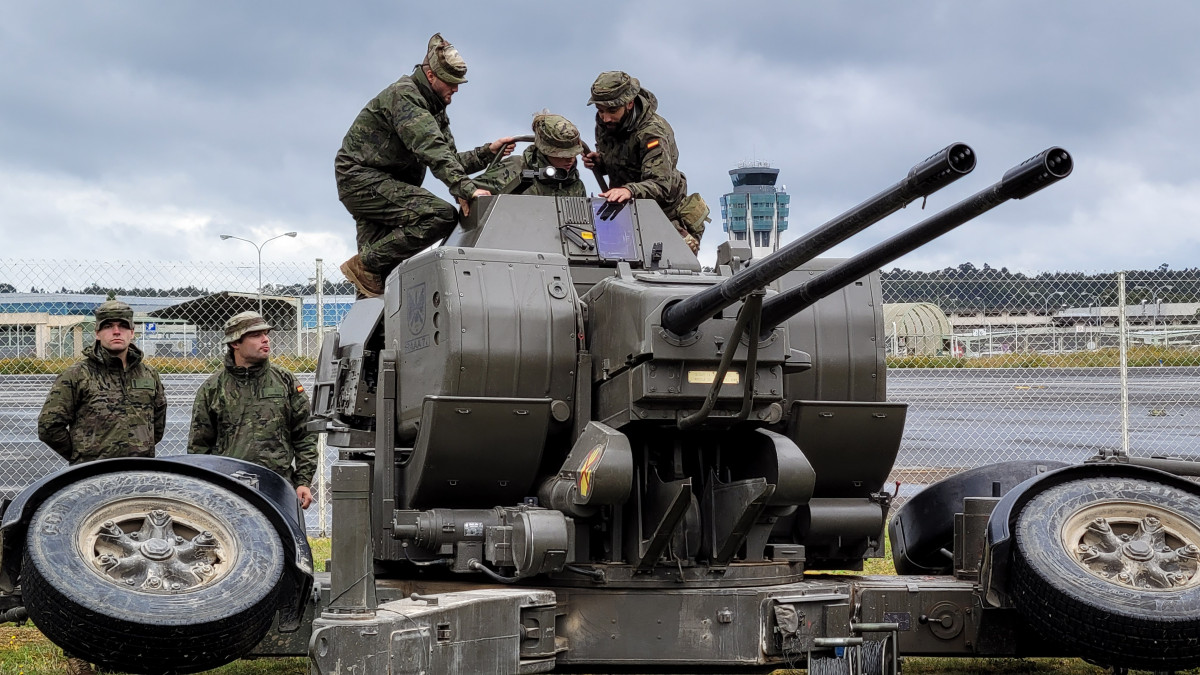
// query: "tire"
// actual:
[[1132, 598], [119, 570]]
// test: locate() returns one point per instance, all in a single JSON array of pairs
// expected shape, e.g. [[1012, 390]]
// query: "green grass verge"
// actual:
[[1137, 356]]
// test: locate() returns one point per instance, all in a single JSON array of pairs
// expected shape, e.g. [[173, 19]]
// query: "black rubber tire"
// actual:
[[125, 629], [1102, 620]]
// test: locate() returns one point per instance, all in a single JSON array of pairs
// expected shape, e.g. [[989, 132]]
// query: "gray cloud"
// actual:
[[142, 129]]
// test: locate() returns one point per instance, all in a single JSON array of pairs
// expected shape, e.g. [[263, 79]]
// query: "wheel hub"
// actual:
[[1135, 545], [155, 550]]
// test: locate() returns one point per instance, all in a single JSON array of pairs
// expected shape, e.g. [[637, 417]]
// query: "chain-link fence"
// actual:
[[995, 365], [1000, 366], [180, 309]]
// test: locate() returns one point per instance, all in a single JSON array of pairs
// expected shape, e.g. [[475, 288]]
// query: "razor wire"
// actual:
[[994, 365]]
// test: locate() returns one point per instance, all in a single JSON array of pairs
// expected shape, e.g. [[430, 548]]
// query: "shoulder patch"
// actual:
[[299, 388], [652, 144]]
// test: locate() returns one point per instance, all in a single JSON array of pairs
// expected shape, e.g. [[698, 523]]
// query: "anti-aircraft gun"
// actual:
[[564, 445]]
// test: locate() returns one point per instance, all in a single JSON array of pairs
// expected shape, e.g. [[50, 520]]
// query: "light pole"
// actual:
[[259, 248], [1155, 298]]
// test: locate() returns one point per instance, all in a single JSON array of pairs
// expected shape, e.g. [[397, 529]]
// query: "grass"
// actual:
[[1137, 356], [25, 651]]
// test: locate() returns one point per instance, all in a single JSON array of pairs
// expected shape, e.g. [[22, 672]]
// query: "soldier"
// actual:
[[547, 167], [382, 163], [110, 404], [254, 410], [636, 148]]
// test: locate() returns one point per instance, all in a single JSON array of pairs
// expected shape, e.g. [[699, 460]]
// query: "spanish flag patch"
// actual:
[[652, 144], [299, 388]]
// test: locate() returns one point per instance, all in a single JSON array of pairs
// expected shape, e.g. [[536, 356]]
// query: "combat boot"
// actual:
[[367, 283]]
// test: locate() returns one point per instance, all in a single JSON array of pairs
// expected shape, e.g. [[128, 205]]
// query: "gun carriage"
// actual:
[[564, 445]]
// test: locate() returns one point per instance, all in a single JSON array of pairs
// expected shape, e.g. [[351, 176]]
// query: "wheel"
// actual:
[[1110, 566], [151, 572]]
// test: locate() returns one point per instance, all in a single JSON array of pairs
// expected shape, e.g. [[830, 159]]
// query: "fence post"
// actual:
[[319, 334], [320, 283], [299, 325], [1123, 335]]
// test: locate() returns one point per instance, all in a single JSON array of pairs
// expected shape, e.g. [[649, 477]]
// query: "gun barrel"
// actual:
[[1045, 168], [934, 173]]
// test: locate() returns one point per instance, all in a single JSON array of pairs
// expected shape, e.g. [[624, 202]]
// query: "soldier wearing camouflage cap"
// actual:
[[381, 165], [254, 410], [636, 148], [110, 404], [547, 167]]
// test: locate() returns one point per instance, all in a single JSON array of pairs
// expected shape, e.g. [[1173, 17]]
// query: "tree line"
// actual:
[[968, 287]]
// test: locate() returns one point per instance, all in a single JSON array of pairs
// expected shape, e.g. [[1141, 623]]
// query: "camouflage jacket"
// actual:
[[505, 177], [641, 155], [98, 410], [398, 134], [256, 413]]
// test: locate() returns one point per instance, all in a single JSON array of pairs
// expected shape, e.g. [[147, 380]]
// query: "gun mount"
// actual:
[[562, 444]]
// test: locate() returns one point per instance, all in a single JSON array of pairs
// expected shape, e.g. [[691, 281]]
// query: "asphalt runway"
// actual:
[[970, 417], [957, 418]]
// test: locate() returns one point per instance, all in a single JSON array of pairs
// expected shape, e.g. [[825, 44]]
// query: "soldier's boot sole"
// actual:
[[357, 275]]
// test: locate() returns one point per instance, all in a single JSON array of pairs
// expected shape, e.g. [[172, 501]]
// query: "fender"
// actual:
[[924, 525], [993, 573], [263, 488]]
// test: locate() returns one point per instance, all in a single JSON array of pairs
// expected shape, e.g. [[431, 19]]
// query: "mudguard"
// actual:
[[263, 488], [924, 525], [993, 574]]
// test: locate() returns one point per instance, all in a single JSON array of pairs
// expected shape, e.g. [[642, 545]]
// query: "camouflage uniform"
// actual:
[[98, 409], [382, 163], [554, 136], [256, 413], [640, 155]]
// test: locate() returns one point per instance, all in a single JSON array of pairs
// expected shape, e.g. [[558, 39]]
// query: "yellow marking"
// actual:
[[587, 235], [589, 467], [710, 376]]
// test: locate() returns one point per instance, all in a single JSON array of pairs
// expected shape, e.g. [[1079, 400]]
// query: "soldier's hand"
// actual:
[[507, 144], [466, 205], [619, 195], [591, 159], [305, 496], [692, 243]]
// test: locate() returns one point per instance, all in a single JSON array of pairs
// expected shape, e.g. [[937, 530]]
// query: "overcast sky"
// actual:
[[143, 130]]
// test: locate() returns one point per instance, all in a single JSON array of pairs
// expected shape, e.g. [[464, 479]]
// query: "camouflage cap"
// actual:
[[555, 136], [445, 61], [242, 323], [613, 89], [114, 310]]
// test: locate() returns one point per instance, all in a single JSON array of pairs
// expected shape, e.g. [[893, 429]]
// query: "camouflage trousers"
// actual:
[[395, 221]]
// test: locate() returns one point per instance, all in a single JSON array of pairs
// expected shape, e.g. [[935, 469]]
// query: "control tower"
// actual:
[[756, 212]]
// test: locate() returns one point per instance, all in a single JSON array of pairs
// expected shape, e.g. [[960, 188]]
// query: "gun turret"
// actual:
[[1035, 173], [936, 172]]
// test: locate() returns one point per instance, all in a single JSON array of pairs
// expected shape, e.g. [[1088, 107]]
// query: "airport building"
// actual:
[[756, 212], [60, 325]]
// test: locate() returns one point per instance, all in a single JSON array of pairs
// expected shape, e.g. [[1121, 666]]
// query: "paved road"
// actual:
[[24, 459], [971, 417]]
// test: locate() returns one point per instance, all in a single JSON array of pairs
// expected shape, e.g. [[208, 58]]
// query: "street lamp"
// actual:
[[259, 248], [1156, 299]]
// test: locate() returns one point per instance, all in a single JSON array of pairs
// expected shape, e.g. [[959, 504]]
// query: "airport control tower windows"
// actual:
[[757, 206]]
